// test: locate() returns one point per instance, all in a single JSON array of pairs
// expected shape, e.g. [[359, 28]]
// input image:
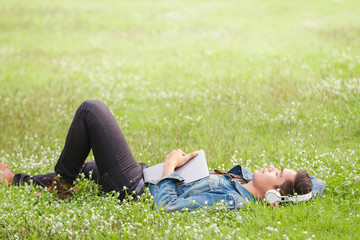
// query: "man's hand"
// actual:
[[275, 204], [175, 159]]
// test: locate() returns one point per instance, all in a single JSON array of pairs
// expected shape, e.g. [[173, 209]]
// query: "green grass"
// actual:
[[250, 82]]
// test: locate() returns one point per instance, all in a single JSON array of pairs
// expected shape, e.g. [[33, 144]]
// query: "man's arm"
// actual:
[[166, 197]]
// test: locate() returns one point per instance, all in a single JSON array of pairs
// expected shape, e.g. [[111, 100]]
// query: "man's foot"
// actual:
[[6, 175], [62, 188]]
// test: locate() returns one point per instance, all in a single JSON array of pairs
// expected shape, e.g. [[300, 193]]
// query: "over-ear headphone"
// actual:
[[273, 196]]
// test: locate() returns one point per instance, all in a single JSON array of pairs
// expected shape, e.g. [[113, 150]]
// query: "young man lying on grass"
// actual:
[[115, 169]]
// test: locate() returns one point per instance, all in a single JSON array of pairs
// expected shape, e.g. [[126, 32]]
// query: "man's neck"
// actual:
[[254, 191]]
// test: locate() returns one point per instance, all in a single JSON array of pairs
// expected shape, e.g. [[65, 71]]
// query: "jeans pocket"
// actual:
[[108, 184]]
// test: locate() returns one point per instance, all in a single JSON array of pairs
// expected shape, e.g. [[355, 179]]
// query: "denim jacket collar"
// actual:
[[240, 170]]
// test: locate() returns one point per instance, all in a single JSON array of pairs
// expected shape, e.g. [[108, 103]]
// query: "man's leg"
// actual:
[[88, 169], [94, 127], [37, 180]]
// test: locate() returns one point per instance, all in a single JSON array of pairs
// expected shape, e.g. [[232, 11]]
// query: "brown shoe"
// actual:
[[6, 174], [61, 187]]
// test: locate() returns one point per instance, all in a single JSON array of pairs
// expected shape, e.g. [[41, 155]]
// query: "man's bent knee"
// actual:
[[92, 103]]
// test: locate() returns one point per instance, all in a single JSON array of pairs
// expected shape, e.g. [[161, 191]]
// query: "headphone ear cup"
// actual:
[[272, 196]]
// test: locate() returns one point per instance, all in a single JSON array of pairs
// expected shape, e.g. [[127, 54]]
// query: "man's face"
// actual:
[[266, 178]]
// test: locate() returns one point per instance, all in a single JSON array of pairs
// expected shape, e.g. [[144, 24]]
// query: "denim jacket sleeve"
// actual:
[[166, 197], [318, 186]]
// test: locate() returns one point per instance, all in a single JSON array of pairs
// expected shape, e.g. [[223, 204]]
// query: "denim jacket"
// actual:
[[171, 194]]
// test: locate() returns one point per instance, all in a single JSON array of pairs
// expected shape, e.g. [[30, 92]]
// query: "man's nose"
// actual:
[[272, 168]]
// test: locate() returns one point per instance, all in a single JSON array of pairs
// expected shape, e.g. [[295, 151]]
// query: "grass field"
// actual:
[[250, 82]]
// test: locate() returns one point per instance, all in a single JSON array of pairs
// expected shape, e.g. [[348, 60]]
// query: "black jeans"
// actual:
[[94, 127]]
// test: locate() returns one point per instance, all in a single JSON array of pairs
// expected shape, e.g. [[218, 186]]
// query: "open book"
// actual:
[[195, 169]]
